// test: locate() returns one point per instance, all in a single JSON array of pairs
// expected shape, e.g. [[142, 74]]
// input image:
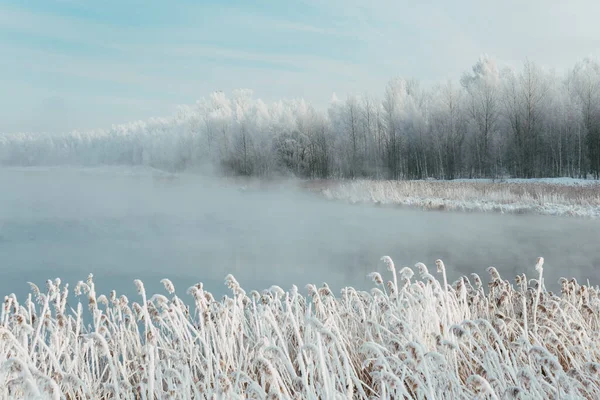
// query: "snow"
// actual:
[[565, 181]]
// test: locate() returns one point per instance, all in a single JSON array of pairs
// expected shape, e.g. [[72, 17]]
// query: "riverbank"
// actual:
[[560, 197]]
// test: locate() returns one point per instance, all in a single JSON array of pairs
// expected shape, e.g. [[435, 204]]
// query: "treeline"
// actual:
[[522, 123]]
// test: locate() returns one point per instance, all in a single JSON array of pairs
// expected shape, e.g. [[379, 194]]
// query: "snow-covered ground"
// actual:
[[566, 181], [562, 197], [412, 336]]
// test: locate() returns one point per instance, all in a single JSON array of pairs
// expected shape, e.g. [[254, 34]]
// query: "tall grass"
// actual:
[[506, 197], [412, 336]]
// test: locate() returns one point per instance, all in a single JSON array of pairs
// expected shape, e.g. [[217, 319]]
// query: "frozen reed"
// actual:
[[412, 336], [572, 198]]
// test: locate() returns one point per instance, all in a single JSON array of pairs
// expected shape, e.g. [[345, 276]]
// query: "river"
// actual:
[[121, 224]]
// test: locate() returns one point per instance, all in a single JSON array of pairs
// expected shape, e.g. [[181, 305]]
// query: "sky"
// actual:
[[80, 64]]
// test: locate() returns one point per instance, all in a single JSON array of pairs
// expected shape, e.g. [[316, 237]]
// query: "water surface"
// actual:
[[122, 224]]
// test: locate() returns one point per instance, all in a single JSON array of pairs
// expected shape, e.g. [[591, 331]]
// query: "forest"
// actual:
[[494, 122]]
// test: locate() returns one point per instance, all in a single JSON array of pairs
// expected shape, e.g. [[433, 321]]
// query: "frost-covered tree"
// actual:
[[393, 102], [449, 127], [524, 97], [482, 106], [521, 122], [586, 81]]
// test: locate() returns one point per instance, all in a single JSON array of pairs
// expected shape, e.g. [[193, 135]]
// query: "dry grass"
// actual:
[[406, 338], [509, 197]]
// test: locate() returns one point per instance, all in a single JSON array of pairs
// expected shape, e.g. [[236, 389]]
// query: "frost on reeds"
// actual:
[[515, 197], [412, 336]]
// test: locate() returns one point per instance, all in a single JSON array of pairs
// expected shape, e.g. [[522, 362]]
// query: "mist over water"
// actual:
[[123, 224]]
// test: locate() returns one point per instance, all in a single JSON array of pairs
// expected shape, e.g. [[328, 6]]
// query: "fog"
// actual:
[[123, 224]]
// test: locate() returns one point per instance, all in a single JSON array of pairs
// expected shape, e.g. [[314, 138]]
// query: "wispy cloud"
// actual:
[[156, 55], [22, 20]]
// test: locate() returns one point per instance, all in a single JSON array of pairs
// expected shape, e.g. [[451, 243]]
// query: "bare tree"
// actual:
[[521, 123], [483, 108], [586, 76], [449, 127]]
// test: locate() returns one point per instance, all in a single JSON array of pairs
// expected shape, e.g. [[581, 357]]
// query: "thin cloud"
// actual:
[[335, 46]]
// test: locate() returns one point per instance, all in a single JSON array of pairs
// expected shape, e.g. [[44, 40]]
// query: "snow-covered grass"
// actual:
[[564, 181], [413, 337], [568, 197]]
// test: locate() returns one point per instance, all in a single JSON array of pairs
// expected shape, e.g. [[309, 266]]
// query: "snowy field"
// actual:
[[561, 196], [409, 336]]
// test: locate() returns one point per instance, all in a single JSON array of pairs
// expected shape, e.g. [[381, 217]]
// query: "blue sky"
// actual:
[[81, 64]]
